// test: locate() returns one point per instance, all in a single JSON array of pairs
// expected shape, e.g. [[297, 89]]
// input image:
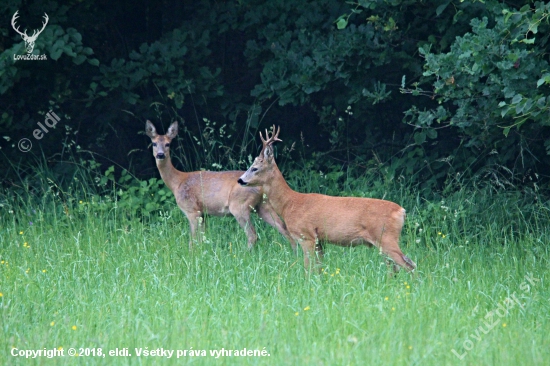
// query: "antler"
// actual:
[[13, 19], [46, 18], [274, 137], [36, 33]]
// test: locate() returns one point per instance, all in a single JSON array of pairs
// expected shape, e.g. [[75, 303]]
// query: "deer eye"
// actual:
[[254, 169], [154, 144], [167, 145]]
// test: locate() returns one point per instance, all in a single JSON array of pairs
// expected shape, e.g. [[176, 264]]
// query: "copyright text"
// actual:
[[137, 352]]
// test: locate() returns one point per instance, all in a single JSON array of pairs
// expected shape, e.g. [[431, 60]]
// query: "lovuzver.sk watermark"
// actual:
[[29, 40], [25, 145], [491, 321]]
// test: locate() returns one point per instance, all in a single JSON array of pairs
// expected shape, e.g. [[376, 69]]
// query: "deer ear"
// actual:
[[268, 153], [173, 130], [150, 129]]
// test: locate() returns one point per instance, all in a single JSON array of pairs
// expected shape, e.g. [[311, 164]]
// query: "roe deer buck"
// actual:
[[315, 219], [213, 193]]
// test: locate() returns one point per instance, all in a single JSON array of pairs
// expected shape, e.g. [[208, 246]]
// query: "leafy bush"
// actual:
[[492, 88]]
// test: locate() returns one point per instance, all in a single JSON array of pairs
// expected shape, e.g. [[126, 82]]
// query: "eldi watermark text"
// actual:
[[51, 120]]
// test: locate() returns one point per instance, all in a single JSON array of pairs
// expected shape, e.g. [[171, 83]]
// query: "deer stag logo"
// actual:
[[29, 40]]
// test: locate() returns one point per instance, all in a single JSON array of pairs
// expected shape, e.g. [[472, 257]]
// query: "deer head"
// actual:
[[260, 170], [29, 40], [161, 143]]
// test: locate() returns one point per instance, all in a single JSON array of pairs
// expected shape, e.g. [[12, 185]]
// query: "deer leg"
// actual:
[[266, 212], [195, 222], [243, 218], [319, 253], [311, 250], [399, 259], [192, 227], [388, 245], [392, 267]]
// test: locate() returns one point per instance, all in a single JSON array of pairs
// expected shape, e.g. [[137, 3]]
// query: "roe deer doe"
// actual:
[[315, 219], [213, 193]]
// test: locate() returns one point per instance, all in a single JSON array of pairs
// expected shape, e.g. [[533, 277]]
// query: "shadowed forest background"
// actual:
[[440, 93]]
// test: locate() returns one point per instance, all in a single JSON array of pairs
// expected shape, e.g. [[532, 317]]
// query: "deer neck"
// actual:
[[170, 175], [278, 192]]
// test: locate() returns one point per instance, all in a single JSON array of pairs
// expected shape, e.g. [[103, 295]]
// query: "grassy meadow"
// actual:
[[82, 272]]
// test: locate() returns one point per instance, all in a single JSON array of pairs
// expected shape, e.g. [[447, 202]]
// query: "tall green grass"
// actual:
[[88, 272]]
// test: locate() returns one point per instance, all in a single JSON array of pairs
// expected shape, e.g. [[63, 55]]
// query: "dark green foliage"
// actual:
[[492, 87], [401, 88]]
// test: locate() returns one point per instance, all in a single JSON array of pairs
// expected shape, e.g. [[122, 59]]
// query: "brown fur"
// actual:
[[314, 219], [212, 193]]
